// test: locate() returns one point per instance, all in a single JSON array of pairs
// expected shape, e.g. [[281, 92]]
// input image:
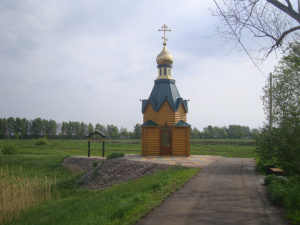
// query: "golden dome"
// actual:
[[164, 57]]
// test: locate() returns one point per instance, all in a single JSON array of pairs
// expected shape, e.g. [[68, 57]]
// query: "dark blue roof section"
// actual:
[[149, 123], [164, 90]]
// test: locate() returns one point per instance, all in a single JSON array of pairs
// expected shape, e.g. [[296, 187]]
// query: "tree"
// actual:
[[255, 133], [90, 128], [280, 143], [124, 134], [51, 129], [195, 133], [274, 21], [10, 126], [83, 130], [19, 126], [64, 129], [101, 128], [36, 128], [3, 129], [137, 131], [76, 131], [112, 131]]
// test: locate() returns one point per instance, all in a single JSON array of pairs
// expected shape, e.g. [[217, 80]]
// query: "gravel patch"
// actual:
[[109, 172], [81, 163]]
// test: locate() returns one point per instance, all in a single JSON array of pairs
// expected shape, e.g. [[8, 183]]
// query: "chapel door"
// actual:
[[166, 141]]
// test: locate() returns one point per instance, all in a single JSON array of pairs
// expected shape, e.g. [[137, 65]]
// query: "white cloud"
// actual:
[[93, 60]]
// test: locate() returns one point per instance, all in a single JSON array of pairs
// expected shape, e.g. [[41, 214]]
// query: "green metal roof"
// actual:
[[149, 123], [164, 90], [181, 123]]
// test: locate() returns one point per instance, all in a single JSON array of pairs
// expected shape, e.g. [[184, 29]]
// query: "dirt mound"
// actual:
[[109, 172], [81, 163]]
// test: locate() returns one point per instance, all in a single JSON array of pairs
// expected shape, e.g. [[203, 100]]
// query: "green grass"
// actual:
[[239, 148], [233, 148], [122, 204]]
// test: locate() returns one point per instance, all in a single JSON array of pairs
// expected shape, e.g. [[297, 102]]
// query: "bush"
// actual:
[[8, 149], [278, 194], [285, 192], [42, 141], [115, 155], [270, 178]]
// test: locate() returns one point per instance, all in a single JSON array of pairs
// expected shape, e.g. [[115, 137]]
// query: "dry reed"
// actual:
[[18, 193]]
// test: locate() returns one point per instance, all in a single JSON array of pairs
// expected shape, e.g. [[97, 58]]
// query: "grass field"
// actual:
[[234, 148], [240, 148], [36, 189]]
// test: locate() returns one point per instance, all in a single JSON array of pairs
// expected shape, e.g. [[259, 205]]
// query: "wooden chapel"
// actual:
[[165, 131]]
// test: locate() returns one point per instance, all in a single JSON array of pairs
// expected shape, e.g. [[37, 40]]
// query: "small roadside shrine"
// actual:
[[165, 131], [96, 136]]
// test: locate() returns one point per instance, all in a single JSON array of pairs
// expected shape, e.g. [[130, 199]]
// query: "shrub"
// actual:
[[42, 141], [115, 155], [278, 193], [285, 192], [8, 148], [270, 178]]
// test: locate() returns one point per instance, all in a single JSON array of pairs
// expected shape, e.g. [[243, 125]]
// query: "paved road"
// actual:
[[228, 191]]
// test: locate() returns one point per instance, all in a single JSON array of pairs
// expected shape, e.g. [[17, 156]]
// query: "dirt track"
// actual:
[[228, 191]]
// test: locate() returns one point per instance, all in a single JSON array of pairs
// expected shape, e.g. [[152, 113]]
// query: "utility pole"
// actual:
[[271, 118], [271, 104]]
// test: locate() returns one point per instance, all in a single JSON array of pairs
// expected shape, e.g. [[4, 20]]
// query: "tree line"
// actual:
[[37, 128], [230, 132]]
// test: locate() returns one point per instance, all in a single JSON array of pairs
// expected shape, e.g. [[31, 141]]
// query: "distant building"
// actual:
[[165, 131]]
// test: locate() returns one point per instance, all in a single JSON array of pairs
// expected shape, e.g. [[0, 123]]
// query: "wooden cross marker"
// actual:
[[164, 30]]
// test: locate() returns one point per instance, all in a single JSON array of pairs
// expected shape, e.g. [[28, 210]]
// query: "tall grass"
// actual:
[[18, 193]]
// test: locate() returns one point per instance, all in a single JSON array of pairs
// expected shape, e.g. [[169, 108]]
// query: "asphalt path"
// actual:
[[228, 191]]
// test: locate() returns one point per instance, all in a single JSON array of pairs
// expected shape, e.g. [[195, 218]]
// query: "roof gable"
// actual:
[[149, 123], [181, 123], [164, 90]]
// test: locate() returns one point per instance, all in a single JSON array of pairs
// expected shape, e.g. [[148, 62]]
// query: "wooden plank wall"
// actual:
[[165, 114], [151, 141], [181, 141], [180, 114], [151, 135]]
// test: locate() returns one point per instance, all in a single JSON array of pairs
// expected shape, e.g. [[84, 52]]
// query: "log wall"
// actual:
[[165, 114], [151, 135], [181, 141], [150, 141]]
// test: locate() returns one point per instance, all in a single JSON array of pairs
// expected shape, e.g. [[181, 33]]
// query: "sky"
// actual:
[[92, 61]]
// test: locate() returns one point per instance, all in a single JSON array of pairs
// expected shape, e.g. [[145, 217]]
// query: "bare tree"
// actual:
[[272, 23]]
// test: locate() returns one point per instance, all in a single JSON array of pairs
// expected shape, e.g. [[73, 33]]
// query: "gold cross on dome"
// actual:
[[164, 30]]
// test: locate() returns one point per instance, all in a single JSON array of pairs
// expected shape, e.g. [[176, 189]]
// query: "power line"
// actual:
[[239, 40]]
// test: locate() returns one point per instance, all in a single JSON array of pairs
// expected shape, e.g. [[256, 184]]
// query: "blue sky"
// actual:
[[92, 61]]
